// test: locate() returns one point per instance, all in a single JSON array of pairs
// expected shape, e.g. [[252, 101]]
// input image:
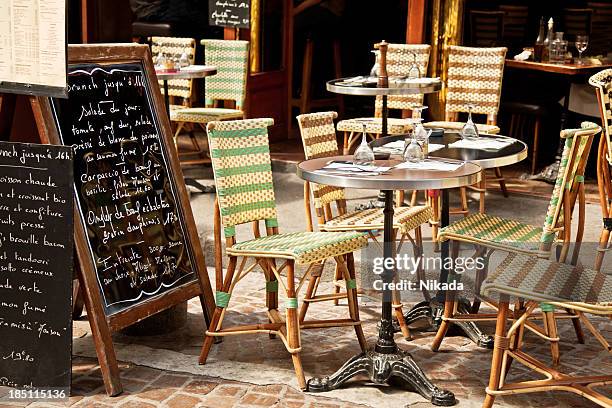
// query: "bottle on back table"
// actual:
[[539, 43]]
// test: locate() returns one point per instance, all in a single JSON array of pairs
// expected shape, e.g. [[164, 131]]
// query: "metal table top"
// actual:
[[395, 88], [190, 72], [394, 179], [510, 154]]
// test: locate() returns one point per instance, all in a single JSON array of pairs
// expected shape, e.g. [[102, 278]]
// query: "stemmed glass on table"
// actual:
[[582, 42]]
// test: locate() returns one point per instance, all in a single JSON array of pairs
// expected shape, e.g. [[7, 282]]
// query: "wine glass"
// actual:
[[414, 72], [376, 66], [414, 152], [469, 130], [582, 42], [363, 155]]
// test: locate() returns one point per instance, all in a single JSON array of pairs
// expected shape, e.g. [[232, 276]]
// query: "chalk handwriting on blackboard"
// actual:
[[229, 13], [126, 198], [36, 248]]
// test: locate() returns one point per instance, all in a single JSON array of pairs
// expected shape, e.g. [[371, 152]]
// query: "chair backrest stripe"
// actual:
[[174, 47], [474, 78], [571, 170], [319, 140], [602, 81], [242, 168], [399, 61], [231, 59]]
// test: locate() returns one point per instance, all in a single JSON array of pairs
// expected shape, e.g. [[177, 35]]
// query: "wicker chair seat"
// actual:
[[556, 283], [374, 125], [302, 247], [494, 232], [205, 115], [490, 129], [405, 219]]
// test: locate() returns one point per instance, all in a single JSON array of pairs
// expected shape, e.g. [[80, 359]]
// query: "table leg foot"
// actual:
[[434, 311], [384, 368], [201, 187]]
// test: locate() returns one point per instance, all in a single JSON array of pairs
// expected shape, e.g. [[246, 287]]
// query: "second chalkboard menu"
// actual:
[[126, 198], [229, 13]]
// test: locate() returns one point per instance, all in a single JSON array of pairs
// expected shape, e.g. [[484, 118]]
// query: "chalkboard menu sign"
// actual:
[[229, 13], [126, 199], [36, 249]]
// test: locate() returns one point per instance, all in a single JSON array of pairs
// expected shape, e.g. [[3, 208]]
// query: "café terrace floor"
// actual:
[[255, 371]]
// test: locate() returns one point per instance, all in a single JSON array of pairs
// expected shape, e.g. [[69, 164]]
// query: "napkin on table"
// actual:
[[482, 143], [431, 164]]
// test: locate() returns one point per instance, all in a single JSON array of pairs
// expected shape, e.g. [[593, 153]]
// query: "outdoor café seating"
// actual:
[[301, 204]]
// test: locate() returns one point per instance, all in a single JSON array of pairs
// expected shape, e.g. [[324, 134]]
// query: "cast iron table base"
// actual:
[[386, 362]]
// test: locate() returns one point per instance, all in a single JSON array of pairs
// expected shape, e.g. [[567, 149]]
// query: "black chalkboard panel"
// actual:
[[36, 265], [125, 196], [229, 13]]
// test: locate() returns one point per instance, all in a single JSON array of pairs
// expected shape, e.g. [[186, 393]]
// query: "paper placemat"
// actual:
[[482, 143], [431, 164], [397, 147], [347, 168]]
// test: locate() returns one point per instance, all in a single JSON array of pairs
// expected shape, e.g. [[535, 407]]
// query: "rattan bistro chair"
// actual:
[[173, 47], [399, 61], [491, 233], [474, 78], [602, 81], [228, 84], [562, 286], [319, 139], [243, 176]]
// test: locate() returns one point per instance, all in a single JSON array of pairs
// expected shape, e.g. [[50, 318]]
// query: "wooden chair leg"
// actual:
[[419, 252], [577, 327], [501, 344], [413, 199], [536, 141], [345, 145], [337, 277], [311, 290], [293, 326], [216, 319], [450, 306], [482, 193], [353, 301], [604, 238], [464, 201], [550, 328], [433, 196], [501, 181]]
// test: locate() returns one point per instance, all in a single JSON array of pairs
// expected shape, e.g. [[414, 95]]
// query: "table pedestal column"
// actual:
[[386, 363]]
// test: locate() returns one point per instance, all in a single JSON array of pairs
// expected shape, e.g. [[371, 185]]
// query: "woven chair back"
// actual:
[[174, 47], [474, 78], [231, 59], [399, 61], [319, 139], [602, 81], [240, 154], [569, 178]]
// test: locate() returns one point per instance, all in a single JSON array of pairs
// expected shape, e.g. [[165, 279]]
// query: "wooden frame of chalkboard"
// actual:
[[105, 320]]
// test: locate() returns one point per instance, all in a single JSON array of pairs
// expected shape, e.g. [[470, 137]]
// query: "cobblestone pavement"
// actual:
[[254, 370]]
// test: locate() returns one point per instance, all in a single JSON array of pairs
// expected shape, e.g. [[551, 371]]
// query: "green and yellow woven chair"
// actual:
[[229, 84], [474, 79], [245, 194], [174, 47], [489, 233], [399, 60], [602, 81], [532, 281], [319, 139]]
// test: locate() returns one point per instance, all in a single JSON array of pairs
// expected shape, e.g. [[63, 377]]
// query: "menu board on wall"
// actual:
[[229, 13], [36, 263], [33, 47], [125, 196]]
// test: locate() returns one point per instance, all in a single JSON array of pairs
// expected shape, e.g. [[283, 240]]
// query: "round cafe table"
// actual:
[[189, 72], [386, 360], [511, 154]]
